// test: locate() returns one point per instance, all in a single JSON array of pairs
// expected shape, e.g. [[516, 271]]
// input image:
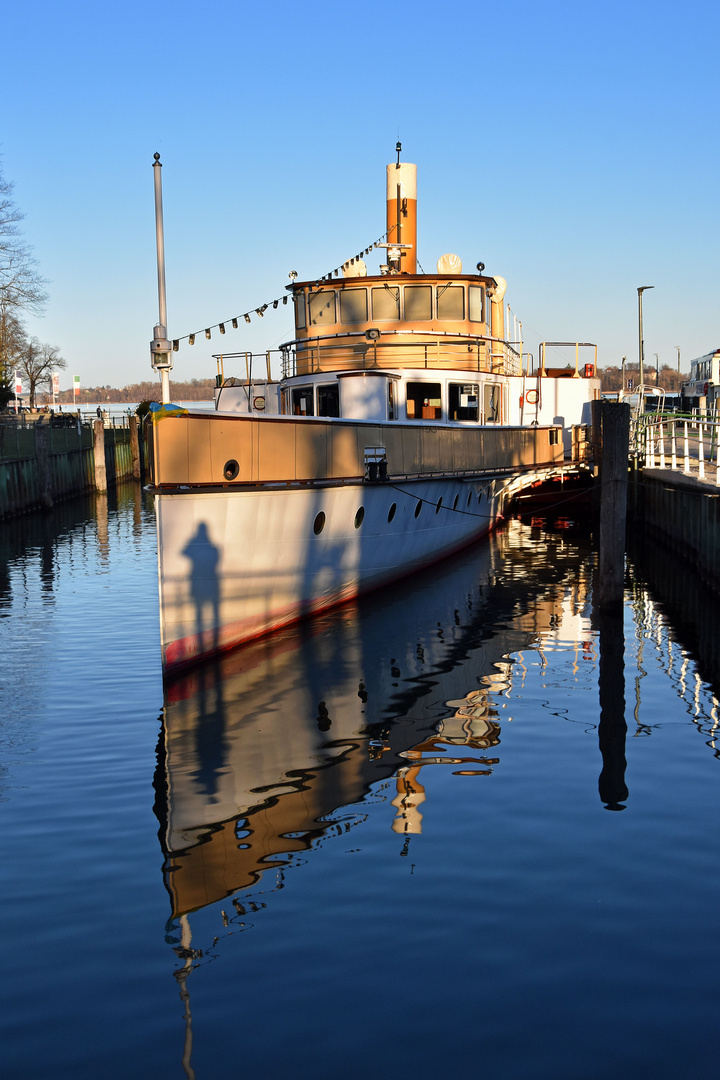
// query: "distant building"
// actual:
[[702, 389]]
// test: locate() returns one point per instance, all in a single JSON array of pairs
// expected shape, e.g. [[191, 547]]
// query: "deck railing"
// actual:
[[685, 443]]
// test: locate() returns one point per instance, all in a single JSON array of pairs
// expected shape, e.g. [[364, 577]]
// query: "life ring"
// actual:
[[532, 397], [259, 403]]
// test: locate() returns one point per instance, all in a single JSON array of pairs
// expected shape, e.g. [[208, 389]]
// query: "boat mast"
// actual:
[[160, 347]]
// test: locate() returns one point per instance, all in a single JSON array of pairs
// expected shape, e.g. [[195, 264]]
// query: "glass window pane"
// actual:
[[418, 302], [463, 401], [423, 401], [475, 303], [492, 403], [353, 305], [328, 398], [386, 304], [322, 308], [451, 302], [302, 401], [300, 311]]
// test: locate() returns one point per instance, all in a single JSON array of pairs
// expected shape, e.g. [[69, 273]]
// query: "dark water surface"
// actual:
[[464, 828]]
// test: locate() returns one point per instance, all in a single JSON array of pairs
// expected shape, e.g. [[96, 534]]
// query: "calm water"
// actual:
[[465, 828]]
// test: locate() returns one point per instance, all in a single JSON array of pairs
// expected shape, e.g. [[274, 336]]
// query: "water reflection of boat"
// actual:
[[264, 751]]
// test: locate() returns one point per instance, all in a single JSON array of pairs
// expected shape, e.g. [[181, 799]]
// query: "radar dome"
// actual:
[[354, 269], [449, 264]]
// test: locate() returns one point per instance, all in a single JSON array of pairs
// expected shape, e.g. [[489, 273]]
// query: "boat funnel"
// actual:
[[402, 217]]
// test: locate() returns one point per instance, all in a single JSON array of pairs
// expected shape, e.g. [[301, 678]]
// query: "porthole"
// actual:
[[231, 469], [319, 523], [455, 502], [439, 504], [391, 512], [418, 508], [359, 517]]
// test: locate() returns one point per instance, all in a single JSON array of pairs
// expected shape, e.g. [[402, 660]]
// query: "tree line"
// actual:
[[194, 390]]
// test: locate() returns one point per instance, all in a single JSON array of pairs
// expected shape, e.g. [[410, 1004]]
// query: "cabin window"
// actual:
[[322, 308], [423, 401], [392, 399], [386, 304], [475, 303], [418, 302], [328, 400], [353, 305], [299, 311], [450, 302], [302, 401], [463, 401], [492, 403]]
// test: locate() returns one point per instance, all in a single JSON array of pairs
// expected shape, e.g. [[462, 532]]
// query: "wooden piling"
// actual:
[[99, 449], [43, 466], [135, 448], [615, 439]]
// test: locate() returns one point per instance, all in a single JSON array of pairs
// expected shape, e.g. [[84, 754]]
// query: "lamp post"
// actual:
[[657, 369], [641, 356], [678, 352], [623, 372]]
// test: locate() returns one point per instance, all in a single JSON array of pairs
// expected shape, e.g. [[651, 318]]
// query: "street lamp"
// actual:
[[678, 349], [657, 369], [641, 351]]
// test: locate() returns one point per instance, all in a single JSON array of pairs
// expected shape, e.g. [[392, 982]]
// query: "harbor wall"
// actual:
[[42, 463], [683, 514]]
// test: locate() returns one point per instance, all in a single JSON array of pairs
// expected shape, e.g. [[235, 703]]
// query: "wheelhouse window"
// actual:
[[450, 302], [423, 401], [322, 308], [475, 303], [418, 302], [463, 401], [353, 305], [299, 311], [492, 403], [302, 401], [328, 400], [385, 304]]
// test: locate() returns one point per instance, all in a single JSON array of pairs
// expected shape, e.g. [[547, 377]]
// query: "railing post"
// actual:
[[661, 444], [673, 444], [701, 456], [686, 467]]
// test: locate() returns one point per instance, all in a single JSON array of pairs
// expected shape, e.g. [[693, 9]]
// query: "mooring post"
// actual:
[[615, 438], [43, 465], [99, 455], [135, 447]]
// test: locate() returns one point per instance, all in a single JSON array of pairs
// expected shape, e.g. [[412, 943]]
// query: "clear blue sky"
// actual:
[[571, 147]]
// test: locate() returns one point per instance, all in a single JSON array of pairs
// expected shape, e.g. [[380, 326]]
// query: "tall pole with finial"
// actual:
[[160, 347], [641, 343]]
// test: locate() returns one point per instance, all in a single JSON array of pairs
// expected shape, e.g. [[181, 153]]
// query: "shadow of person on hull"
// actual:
[[204, 587]]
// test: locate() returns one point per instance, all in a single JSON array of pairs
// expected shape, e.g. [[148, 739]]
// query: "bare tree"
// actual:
[[21, 286], [36, 365], [13, 341]]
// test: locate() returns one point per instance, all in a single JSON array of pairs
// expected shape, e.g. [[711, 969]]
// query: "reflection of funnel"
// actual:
[[410, 795]]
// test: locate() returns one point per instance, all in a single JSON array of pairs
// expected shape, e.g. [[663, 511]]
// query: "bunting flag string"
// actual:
[[260, 311]]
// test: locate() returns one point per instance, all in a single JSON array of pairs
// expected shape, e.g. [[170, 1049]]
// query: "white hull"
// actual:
[[236, 565]]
